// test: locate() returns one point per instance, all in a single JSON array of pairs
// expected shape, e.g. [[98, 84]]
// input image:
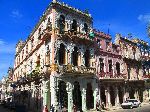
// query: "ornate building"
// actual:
[[109, 70], [66, 64], [55, 65], [132, 57]]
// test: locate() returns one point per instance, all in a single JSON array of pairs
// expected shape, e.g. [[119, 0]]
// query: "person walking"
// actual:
[[45, 109]]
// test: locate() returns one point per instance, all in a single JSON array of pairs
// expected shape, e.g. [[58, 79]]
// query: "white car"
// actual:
[[130, 103]]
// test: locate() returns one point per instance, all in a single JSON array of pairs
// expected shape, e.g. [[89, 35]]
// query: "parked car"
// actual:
[[131, 103]]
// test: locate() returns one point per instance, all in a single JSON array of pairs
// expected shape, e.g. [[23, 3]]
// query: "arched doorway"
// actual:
[[112, 96], [120, 93], [77, 98], [89, 97], [62, 95], [103, 96]]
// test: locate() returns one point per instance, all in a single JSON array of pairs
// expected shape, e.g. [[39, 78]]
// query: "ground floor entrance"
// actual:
[[74, 94]]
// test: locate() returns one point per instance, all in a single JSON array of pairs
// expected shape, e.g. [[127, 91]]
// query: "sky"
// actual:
[[18, 17]]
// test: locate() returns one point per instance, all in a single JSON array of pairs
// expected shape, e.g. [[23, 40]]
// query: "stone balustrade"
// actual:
[[76, 37], [69, 69], [110, 75]]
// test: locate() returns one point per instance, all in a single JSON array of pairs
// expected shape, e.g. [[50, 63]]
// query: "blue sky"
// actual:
[[18, 17]]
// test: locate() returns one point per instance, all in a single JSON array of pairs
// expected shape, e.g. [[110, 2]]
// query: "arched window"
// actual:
[[62, 96], [61, 24], [85, 27], [75, 56], [74, 25], [87, 58], [77, 98], [62, 54], [118, 68]]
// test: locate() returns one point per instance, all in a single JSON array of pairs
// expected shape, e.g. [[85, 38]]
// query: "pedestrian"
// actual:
[[52, 108], [103, 105], [97, 106], [45, 109], [74, 108]]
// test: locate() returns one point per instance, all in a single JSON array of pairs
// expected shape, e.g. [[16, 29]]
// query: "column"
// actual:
[[108, 102], [32, 100], [149, 93], [117, 103], [84, 100], [96, 98], [70, 96], [53, 88], [46, 95], [124, 94]]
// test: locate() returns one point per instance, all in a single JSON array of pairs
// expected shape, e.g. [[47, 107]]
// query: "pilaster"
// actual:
[[84, 109], [108, 102], [117, 103], [70, 97]]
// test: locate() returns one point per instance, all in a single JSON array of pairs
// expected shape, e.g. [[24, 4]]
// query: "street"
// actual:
[[2, 109], [144, 108]]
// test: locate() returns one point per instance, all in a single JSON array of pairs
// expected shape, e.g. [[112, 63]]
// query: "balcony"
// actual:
[[76, 70], [76, 37], [110, 76], [35, 74]]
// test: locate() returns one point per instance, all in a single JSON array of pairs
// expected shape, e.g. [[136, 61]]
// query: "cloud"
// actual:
[[144, 17], [16, 14], [7, 48], [2, 42]]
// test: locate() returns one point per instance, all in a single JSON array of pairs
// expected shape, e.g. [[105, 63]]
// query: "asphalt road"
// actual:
[[2, 109], [144, 108]]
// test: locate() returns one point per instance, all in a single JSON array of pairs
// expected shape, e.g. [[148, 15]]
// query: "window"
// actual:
[[107, 46], [61, 24], [101, 65], [31, 65], [85, 27], [47, 55], [110, 65], [74, 25], [27, 49], [128, 70], [38, 61], [87, 58], [22, 54], [39, 34], [32, 43], [61, 54], [118, 68], [75, 56], [99, 43]]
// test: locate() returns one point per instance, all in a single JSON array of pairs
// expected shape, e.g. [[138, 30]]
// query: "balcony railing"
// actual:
[[82, 70], [110, 75], [76, 36]]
